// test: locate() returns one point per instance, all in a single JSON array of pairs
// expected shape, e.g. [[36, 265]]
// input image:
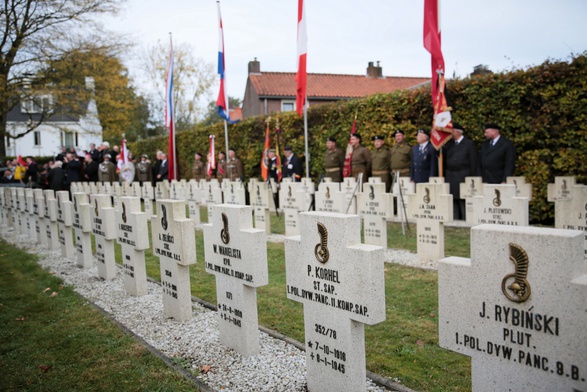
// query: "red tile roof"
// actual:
[[282, 84]]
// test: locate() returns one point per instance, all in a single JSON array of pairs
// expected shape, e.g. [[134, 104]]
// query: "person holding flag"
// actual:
[[234, 166], [125, 167]]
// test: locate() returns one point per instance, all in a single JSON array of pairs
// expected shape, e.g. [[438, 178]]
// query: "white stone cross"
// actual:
[[22, 211], [291, 202], [407, 188], [523, 189], [148, 197], [431, 207], [473, 186], [14, 207], [82, 227], [374, 206], [104, 229], [174, 243], [39, 210], [561, 189], [237, 254], [259, 195], [500, 205], [31, 218], [135, 190], [194, 199], [234, 193], [161, 190], [65, 221], [571, 212], [518, 309], [52, 227], [6, 211], [329, 198], [212, 196], [341, 284], [347, 188], [133, 237]]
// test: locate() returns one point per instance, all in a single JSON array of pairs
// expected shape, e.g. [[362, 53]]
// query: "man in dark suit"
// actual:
[[498, 156], [460, 162], [163, 169], [424, 160], [292, 166]]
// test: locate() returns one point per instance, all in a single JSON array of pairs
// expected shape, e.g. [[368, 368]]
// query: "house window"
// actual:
[[288, 106], [68, 139], [37, 135], [37, 104]]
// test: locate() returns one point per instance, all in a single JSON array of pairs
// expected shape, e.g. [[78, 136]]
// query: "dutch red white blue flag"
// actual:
[[301, 76], [222, 101], [169, 115]]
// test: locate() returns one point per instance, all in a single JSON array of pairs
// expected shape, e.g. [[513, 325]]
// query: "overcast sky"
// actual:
[[344, 35]]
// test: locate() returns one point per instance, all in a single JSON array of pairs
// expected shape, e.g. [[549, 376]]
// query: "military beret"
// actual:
[[398, 131], [288, 148], [356, 135], [378, 137], [424, 132], [457, 126], [331, 139]]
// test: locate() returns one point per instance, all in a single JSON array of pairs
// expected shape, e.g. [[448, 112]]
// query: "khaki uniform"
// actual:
[[221, 170], [144, 172], [380, 165], [198, 170], [360, 162], [401, 158], [333, 162], [234, 169], [107, 172]]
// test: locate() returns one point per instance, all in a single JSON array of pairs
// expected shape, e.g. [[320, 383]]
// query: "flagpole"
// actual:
[[306, 141], [226, 140]]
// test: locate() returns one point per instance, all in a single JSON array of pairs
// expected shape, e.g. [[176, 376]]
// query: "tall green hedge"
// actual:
[[542, 109]]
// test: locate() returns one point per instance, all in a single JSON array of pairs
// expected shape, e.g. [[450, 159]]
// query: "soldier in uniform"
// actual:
[[107, 170], [234, 166], [361, 159], [333, 160], [199, 168], [424, 159], [144, 170], [380, 161], [221, 166], [401, 155]]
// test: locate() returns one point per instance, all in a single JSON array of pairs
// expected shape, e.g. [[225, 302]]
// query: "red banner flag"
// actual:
[[442, 124], [211, 157], [432, 43], [348, 156], [265, 158], [301, 76], [277, 154]]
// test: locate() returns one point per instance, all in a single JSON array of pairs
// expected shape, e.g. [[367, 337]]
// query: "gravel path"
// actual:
[[279, 366]]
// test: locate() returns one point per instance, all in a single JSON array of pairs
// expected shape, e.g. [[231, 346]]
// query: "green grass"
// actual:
[[60, 343]]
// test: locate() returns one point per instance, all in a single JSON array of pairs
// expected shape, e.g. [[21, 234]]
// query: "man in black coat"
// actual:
[[163, 169], [91, 169], [497, 158], [424, 160], [292, 166], [460, 162]]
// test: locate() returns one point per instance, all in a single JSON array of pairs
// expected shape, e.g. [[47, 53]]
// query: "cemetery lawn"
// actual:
[[405, 347], [52, 340]]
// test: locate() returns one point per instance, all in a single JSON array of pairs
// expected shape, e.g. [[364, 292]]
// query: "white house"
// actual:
[[57, 131]]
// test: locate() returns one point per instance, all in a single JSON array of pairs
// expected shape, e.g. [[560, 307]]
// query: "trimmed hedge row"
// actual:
[[543, 109]]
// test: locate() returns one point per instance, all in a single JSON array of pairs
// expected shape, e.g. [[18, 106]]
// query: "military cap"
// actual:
[[378, 137]]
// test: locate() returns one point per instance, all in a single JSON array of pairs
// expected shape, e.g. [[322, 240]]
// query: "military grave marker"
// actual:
[[431, 207], [374, 206], [65, 221], [259, 195], [52, 227], [523, 189], [339, 295], [237, 254], [500, 205], [291, 202], [104, 229], [133, 237], [473, 186], [39, 210], [517, 308], [175, 245], [82, 227]]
